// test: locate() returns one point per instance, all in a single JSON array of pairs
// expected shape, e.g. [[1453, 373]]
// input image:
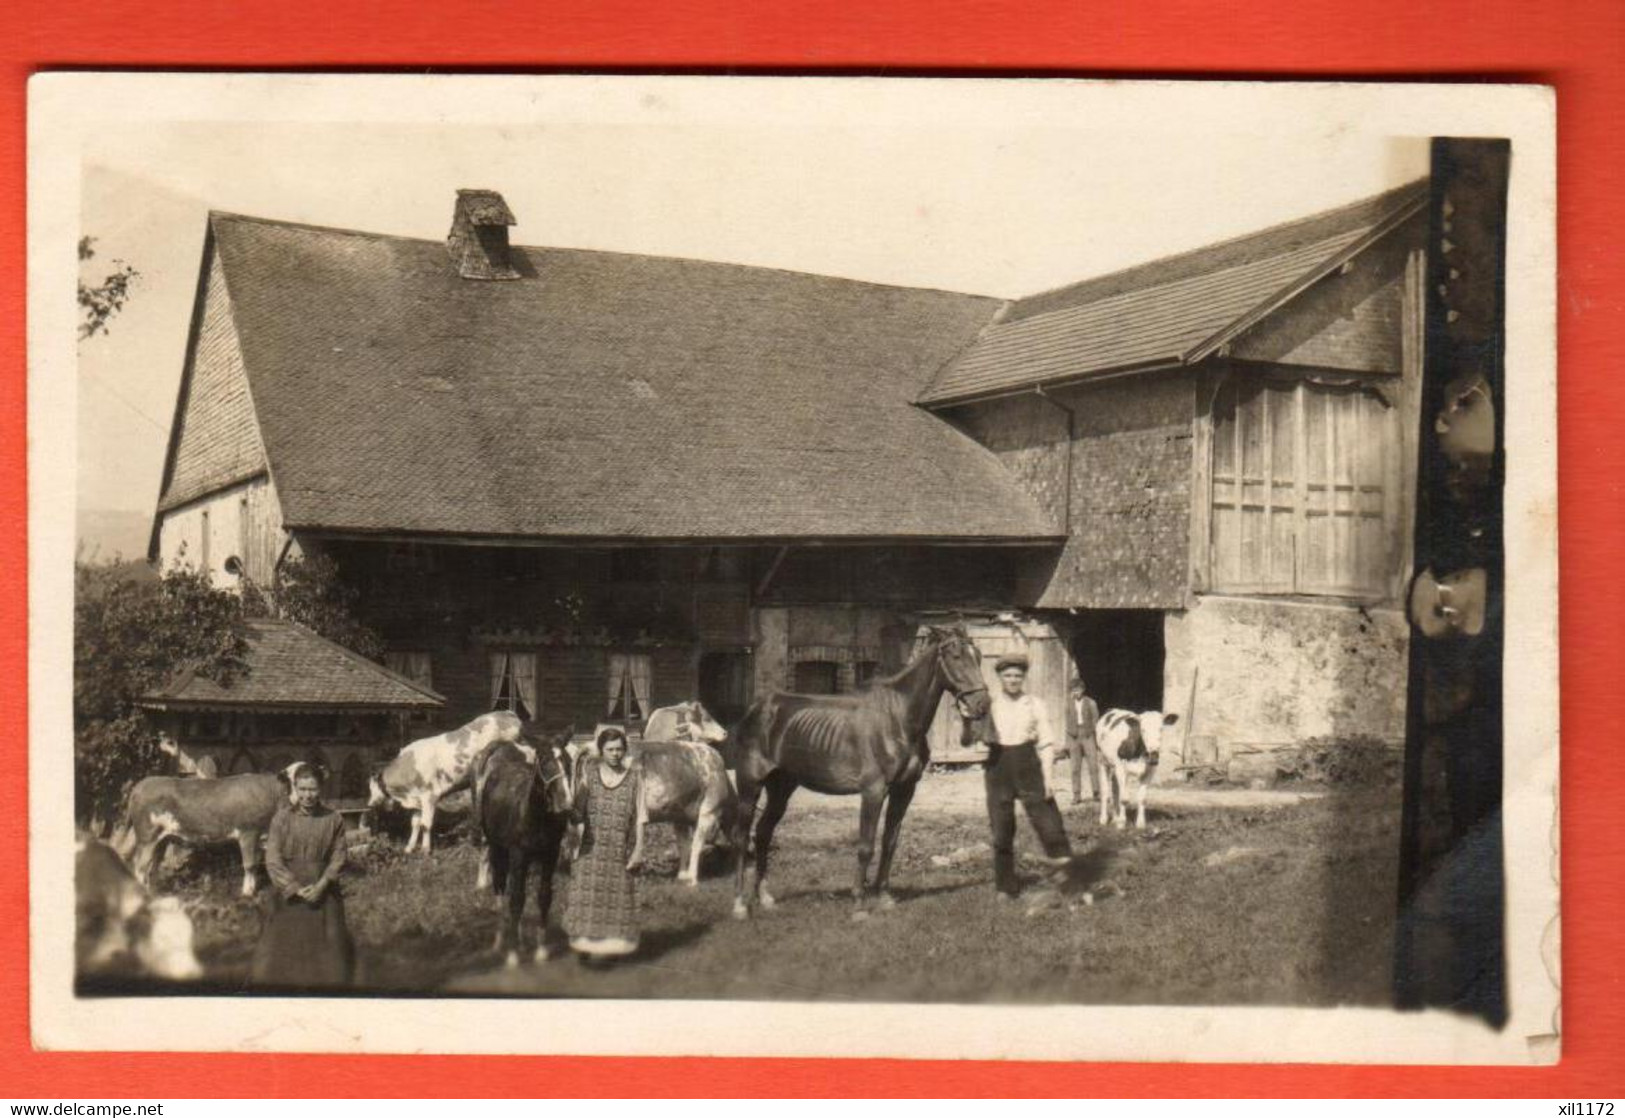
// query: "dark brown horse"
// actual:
[[523, 807], [870, 744]]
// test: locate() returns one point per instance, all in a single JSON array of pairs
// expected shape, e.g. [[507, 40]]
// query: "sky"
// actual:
[[1006, 207]]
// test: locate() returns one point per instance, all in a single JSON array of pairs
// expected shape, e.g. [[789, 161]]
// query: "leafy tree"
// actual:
[[132, 633], [99, 302], [309, 590]]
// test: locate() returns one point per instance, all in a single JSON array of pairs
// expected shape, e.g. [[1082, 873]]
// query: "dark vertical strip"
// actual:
[[1450, 950]]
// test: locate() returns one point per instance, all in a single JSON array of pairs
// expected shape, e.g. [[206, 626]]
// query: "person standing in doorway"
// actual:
[[1018, 768], [1084, 751]]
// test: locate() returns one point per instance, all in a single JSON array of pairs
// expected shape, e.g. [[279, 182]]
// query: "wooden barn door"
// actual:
[[1046, 678]]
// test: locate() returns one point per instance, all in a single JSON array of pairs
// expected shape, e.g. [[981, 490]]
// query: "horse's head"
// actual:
[[553, 768], [960, 662]]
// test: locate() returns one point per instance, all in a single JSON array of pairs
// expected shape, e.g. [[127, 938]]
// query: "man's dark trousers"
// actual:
[[1085, 757], [1014, 773]]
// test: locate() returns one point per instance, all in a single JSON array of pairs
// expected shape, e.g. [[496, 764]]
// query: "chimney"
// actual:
[[478, 241]]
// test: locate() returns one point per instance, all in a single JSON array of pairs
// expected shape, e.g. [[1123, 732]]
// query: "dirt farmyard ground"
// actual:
[[1230, 896]]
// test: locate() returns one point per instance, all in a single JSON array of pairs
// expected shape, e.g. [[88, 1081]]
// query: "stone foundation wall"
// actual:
[[1275, 673]]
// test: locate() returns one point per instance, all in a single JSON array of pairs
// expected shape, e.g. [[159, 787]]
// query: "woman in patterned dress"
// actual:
[[305, 941], [602, 914]]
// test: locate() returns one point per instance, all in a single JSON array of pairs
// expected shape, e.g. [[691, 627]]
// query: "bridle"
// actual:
[[960, 694], [559, 773]]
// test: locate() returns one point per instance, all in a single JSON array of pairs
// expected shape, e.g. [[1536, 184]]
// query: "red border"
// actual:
[[1578, 47]]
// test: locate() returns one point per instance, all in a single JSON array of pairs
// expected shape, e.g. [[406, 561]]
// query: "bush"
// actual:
[[132, 632]]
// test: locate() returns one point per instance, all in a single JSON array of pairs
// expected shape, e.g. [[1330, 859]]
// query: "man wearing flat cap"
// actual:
[[1022, 737]]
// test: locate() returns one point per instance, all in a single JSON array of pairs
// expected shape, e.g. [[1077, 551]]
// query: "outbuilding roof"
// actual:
[[602, 396], [291, 667], [1173, 311]]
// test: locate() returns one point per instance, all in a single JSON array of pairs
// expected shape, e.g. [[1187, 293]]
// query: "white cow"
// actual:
[[1129, 746], [429, 769]]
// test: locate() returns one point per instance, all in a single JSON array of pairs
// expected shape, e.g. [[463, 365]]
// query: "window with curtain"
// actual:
[[630, 680], [513, 684], [1305, 489]]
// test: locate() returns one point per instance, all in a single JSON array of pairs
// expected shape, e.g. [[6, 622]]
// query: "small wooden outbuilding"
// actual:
[[301, 698]]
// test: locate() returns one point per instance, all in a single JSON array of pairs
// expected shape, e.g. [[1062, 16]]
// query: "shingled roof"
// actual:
[[1171, 311], [602, 396], [290, 667]]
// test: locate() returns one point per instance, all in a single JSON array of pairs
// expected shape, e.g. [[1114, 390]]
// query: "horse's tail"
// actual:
[[498, 855]]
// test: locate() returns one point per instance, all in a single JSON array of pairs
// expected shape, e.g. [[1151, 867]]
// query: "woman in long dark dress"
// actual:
[[602, 914], [306, 941]]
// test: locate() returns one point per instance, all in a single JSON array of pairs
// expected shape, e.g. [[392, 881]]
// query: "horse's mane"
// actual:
[[938, 636]]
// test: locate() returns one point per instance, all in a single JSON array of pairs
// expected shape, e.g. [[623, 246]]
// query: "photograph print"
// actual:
[[667, 542]]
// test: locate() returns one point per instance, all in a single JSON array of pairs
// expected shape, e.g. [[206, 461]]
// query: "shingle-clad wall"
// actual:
[[1129, 542], [1028, 434], [218, 440], [1128, 528]]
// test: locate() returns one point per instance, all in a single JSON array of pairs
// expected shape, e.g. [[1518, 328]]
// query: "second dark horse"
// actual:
[[524, 810], [871, 743]]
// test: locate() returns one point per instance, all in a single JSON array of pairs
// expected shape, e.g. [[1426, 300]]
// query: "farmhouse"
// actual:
[[582, 484]]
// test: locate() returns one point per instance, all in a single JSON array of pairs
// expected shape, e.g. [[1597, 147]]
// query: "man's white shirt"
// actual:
[[1021, 720]]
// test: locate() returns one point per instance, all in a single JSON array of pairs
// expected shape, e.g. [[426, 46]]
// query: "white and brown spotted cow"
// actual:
[[1130, 745], [429, 769], [199, 812], [121, 930]]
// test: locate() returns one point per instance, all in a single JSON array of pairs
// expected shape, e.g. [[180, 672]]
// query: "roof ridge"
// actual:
[[1026, 349], [1194, 277], [1396, 195], [710, 263]]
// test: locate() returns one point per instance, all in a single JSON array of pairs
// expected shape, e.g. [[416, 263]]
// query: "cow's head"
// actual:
[[694, 723], [376, 796], [1151, 724]]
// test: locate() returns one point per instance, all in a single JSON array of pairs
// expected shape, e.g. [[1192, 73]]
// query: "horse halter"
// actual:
[[559, 772], [960, 694]]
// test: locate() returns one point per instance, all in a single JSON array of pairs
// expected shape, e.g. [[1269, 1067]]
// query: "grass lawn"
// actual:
[[1289, 904]]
